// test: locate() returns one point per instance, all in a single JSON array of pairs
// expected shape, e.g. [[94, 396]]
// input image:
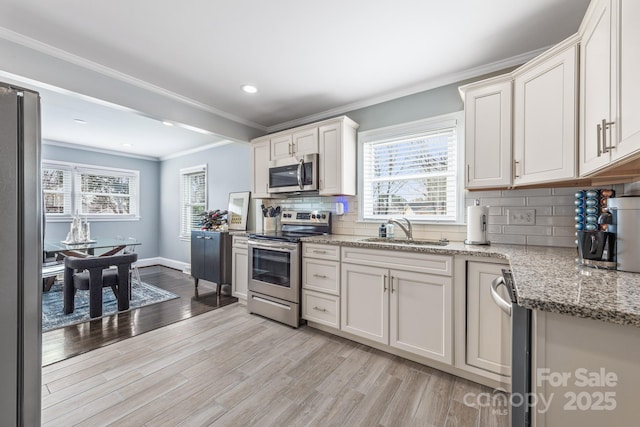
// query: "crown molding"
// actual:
[[61, 54], [427, 85], [97, 150], [197, 149]]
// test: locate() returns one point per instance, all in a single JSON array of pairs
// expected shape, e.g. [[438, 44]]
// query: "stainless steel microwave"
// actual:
[[294, 174]]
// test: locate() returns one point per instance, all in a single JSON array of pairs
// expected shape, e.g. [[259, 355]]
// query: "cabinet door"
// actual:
[[260, 157], [240, 273], [305, 142], [597, 73], [330, 159], [281, 147], [628, 120], [320, 275], [364, 302], [545, 121], [488, 327], [421, 315], [197, 255], [488, 135]]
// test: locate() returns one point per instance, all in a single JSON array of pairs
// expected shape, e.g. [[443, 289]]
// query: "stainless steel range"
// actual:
[[275, 260]]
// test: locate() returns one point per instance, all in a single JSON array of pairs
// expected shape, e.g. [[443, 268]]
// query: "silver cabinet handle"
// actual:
[[515, 169], [290, 151], [199, 237], [599, 129], [208, 237], [323, 310], [392, 279], [320, 276], [316, 251], [384, 283], [468, 174], [605, 126], [495, 296]]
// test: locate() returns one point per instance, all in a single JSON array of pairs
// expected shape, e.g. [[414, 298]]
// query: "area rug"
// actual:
[[53, 317]]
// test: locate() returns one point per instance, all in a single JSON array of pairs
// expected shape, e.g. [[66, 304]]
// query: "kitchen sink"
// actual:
[[416, 242]]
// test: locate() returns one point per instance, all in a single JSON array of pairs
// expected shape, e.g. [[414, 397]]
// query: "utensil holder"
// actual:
[[270, 223]]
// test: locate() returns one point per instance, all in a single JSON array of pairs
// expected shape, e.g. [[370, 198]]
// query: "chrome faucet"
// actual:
[[408, 230]]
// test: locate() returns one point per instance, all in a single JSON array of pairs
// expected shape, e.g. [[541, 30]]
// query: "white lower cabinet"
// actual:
[[321, 308], [420, 315], [365, 304], [408, 310], [321, 284], [239, 267], [488, 337]]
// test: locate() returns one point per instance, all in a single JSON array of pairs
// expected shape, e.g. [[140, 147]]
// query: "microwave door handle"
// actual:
[[300, 164]]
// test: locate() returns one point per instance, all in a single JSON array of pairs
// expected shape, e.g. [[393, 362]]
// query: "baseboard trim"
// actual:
[[166, 262]]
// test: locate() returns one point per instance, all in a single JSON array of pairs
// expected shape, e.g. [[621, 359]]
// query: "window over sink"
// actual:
[[411, 170]]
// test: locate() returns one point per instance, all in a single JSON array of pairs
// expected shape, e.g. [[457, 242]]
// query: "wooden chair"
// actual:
[[93, 274]]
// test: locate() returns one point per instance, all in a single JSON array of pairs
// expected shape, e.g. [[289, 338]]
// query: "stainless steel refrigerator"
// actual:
[[20, 257]]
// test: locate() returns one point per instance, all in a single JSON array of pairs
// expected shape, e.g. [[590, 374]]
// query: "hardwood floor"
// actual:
[[230, 368], [72, 340]]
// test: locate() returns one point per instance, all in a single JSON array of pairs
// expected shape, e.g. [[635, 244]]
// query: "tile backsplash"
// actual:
[[554, 223]]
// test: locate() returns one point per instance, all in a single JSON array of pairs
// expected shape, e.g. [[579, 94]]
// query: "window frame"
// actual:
[[184, 172], [408, 130], [75, 195]]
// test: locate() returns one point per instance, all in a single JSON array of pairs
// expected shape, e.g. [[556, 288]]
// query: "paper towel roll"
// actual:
[[477, 217]]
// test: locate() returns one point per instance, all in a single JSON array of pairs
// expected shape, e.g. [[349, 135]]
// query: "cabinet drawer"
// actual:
[[314, 250], [321, 308], [413, 261], [240, 242], [320, 275]]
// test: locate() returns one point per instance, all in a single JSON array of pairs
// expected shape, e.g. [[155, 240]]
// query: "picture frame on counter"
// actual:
[[238, 210]]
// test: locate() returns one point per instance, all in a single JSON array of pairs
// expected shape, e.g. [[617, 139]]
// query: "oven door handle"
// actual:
[[300, 164], [495, 296], [282, 246]]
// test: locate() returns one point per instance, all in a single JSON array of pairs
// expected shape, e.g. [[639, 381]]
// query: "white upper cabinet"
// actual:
[[337, 168], [628, 94], [295, 144], [610, 89], [545, 117], [597, 85], [488, 133], [260, 168]]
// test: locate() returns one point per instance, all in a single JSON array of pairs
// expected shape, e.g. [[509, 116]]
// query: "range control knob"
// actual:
[[324, 216]]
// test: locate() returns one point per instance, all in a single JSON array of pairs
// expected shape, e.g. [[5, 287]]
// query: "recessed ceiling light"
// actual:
[[166, 123], [80, 121], [249, 88], [127, 145]]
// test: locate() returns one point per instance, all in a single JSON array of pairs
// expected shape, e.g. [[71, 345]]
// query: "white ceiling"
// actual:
[[306, 58]]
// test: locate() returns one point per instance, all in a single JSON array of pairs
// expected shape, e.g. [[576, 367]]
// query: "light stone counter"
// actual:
[[546, 278]]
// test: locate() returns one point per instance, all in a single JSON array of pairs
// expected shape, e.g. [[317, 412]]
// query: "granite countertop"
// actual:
[[546, 278]]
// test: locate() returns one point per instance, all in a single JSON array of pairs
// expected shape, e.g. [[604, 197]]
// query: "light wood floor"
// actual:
[[229, 368]]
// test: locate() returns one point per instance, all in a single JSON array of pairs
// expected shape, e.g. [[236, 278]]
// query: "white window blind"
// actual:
[[193, 197], [103, 192], [411, 171], [92, 191], [56, 188]]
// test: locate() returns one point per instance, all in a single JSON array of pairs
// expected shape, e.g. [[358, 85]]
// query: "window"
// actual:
[[411, 170], [92, 191], [193, 196]]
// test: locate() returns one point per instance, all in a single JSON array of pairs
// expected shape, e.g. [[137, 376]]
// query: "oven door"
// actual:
[[292, 175], [274, 269]]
